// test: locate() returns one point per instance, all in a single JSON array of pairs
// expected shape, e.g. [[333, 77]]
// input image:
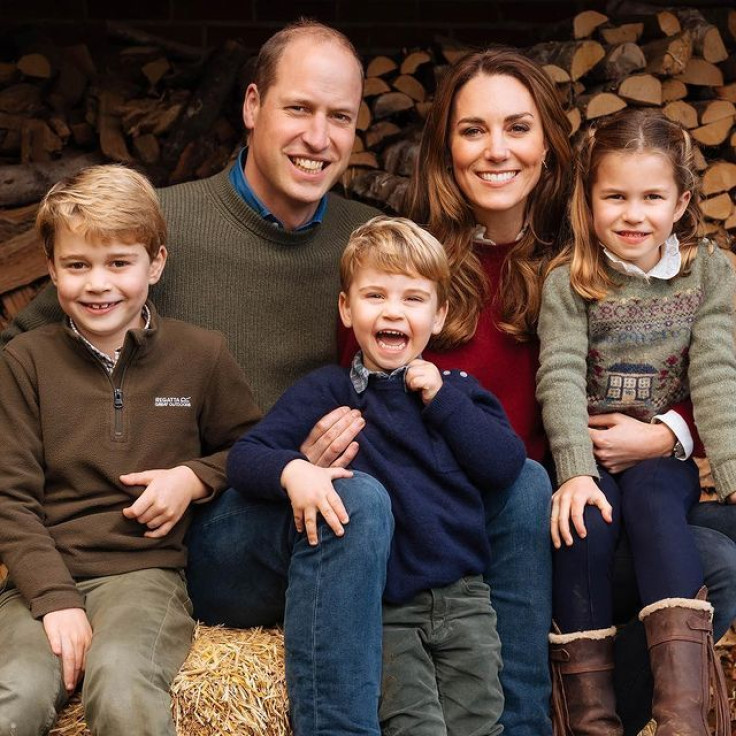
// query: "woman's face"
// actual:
[[497, 147]]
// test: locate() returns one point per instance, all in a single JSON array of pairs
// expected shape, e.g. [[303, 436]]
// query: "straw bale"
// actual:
[[232, 682]]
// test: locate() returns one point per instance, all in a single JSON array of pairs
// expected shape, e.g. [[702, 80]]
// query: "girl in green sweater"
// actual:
[[637, 318]]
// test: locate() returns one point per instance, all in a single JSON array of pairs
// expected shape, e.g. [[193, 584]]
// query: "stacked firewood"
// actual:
[[682, 61], [175, 113]]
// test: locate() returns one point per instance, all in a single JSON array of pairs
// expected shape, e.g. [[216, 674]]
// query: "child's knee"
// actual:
[[367, 502], [28, 701], [122, 696]]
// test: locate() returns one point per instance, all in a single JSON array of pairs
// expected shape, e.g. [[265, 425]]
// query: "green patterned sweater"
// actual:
[[644, 347]]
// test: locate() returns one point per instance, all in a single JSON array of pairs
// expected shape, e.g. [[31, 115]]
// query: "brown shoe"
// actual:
[[583, 702], [685, 667]]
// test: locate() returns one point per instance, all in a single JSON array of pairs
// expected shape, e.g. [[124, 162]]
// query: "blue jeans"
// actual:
[[520, 578], [713, 527], [249, 567]]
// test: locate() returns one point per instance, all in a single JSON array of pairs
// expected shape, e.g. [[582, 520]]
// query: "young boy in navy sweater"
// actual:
[[433, 440]]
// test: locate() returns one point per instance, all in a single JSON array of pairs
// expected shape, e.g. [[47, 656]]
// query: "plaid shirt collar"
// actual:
[[359, 374], [107, 362]]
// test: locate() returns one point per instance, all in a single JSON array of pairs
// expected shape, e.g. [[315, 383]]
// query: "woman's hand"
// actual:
[[331, 443], [569, 502], [620, 441]]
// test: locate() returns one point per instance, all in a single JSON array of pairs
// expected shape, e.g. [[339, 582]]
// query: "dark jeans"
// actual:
[[650, 504], [713, 527]]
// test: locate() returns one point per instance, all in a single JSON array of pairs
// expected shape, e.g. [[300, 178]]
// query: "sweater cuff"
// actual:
[[573, 461], [724, 476], [56, 601]]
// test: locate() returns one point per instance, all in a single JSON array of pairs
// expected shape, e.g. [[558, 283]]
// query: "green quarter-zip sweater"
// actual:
[[70, 429]]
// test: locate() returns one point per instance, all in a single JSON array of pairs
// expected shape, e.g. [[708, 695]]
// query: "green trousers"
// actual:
[[441, 661], [141, 632]]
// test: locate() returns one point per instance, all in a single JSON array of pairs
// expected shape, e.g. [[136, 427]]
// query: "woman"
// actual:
[[492, 185]]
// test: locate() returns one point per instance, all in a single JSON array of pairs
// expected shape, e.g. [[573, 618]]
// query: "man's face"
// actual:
[[302, 131]]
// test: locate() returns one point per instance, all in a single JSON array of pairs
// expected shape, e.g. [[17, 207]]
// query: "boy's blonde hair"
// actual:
[[629, 131], [396, 245], [108, 202]]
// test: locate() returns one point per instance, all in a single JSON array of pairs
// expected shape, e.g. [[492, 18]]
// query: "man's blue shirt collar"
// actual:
[[241, 186]]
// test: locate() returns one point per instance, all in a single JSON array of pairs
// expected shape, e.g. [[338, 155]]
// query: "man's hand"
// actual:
[[70, 636], [310, 491], [620, 441], [423, 376], [569, 502], [168, 494], [331, 441]]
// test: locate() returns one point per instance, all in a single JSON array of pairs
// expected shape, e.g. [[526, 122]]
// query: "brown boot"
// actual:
[[685, 667], [583, 702]]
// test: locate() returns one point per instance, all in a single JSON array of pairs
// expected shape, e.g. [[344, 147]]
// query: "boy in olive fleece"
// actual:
[[113, 422]]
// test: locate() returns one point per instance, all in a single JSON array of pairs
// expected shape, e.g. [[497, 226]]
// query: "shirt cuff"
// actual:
[[681, 431]]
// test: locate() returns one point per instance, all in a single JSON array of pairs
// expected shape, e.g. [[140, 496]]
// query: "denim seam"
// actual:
[[315, 619]]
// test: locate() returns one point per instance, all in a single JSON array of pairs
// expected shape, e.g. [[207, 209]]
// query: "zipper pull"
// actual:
[[118, 398]]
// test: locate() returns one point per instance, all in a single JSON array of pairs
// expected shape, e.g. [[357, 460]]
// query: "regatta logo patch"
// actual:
[[172, 401]]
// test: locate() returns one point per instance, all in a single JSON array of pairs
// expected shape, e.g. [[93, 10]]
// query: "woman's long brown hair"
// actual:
[[436, 201]]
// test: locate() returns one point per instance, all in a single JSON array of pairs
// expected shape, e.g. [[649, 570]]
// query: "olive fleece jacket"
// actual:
[[70, 429]]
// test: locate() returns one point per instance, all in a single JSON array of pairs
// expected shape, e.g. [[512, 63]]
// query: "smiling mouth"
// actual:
[[392, 340], [98, 307], [632, 234], [498, 177], [308, 165]]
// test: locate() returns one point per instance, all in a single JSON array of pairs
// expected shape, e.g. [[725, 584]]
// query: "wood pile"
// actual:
[[175, 113], [682, 61]]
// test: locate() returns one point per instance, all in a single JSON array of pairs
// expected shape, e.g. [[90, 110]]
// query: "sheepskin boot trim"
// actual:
[[685, 667], [583, 701]]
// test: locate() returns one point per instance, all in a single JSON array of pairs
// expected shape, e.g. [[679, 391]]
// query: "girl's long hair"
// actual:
[[628, 131], [436, 200]]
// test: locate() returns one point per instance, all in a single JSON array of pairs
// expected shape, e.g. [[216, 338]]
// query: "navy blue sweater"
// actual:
[[432, 460]]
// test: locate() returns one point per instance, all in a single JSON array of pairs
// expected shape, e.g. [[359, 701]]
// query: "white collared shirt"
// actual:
[[666, 267]]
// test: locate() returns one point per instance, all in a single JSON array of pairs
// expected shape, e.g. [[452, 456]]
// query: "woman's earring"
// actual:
[[544, 163]]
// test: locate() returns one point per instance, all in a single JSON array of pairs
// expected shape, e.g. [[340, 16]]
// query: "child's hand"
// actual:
[[168, 494], [310, 491], [425, 377], [70, 636], [569, 502]]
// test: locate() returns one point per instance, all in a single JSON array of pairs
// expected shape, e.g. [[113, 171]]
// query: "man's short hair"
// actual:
[[396, 245], [272, 50], [109, 202]]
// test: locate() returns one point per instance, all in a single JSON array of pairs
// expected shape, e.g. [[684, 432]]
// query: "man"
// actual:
[[254, 254]]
